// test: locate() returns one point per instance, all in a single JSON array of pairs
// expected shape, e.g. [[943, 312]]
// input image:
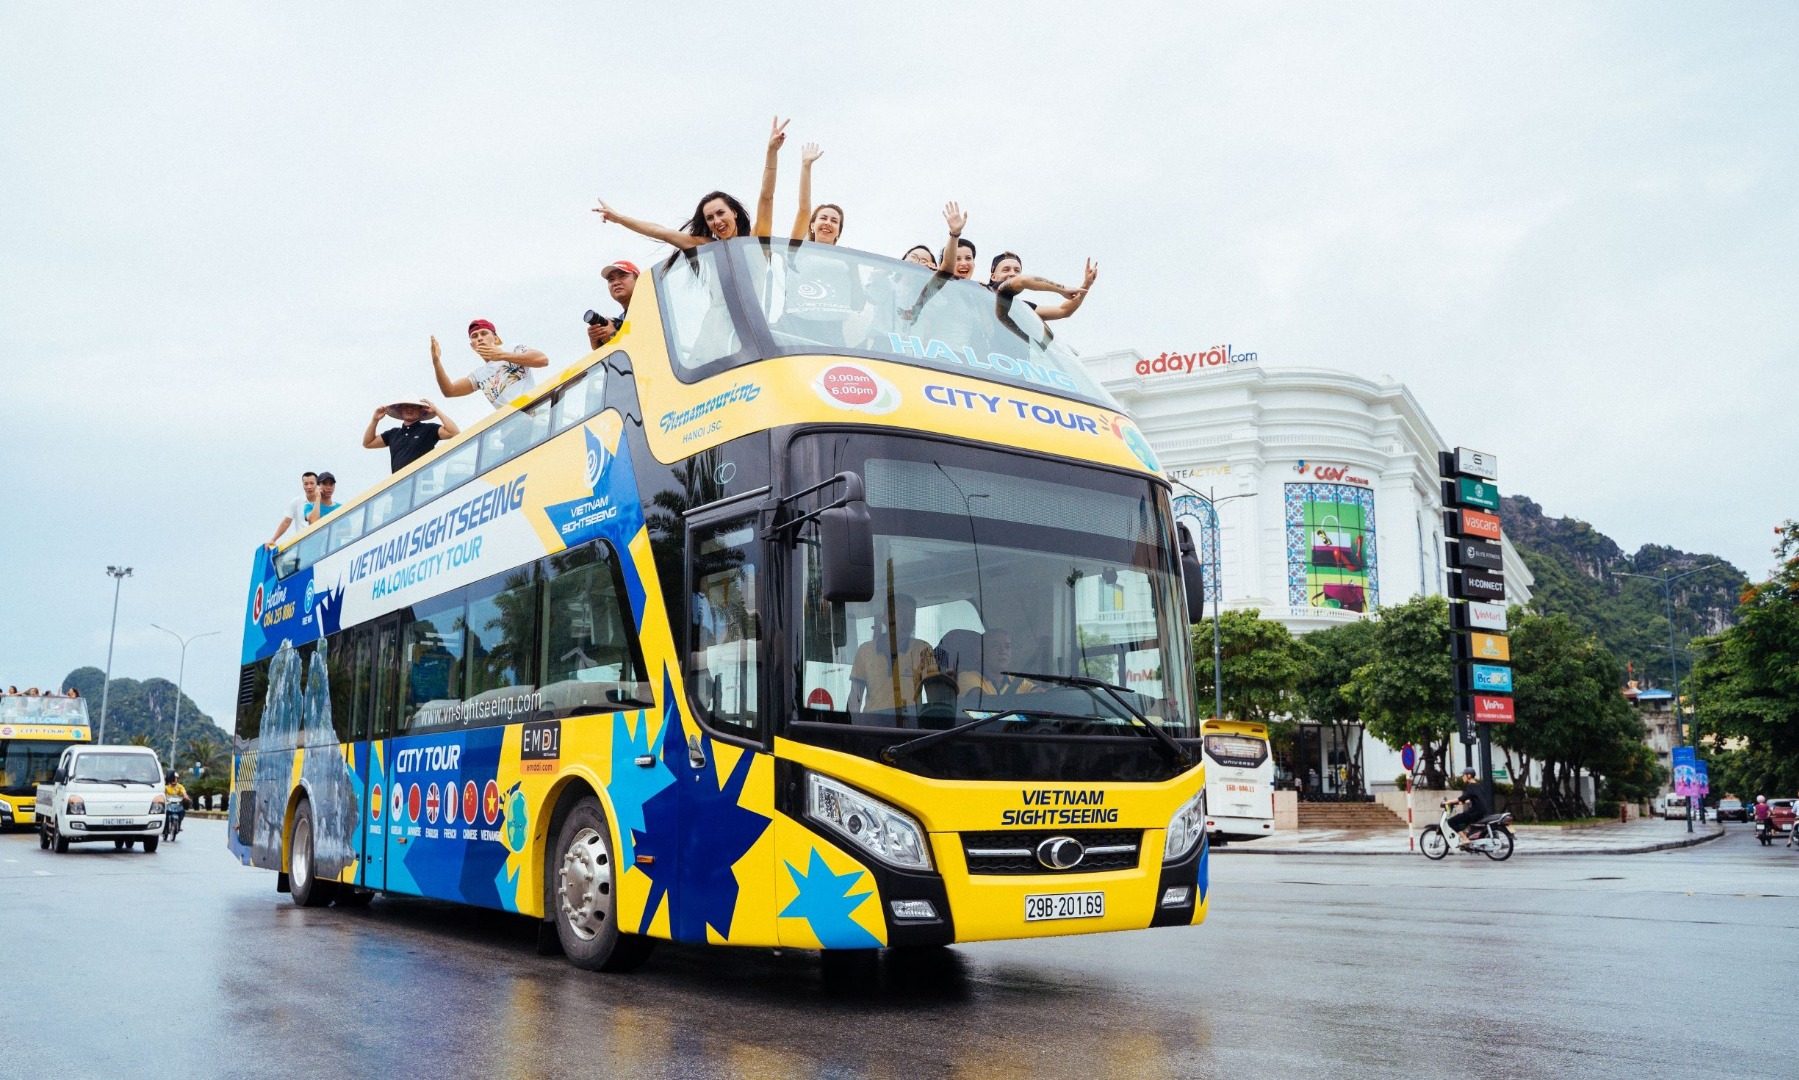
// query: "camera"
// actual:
[[594, 318]]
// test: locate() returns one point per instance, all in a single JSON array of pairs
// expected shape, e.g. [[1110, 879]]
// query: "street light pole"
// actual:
[[180, 679], [1681, 729], [118, 575]]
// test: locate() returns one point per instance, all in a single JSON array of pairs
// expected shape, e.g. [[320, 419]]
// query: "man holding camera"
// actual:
[[621, 282]]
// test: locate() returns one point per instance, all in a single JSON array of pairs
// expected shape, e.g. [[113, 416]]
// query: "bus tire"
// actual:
[[303, 882], [583, 894]]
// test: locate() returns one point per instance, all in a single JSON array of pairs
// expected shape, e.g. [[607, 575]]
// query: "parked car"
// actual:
[[1732, 810], [1781, 812], [102, 793], [1674, 806]]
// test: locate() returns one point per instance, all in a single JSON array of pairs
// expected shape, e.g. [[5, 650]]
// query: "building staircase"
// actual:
[[1347, 815]]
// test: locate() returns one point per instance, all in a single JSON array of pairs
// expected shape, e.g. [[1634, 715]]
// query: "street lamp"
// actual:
[[118, 575], [180, 678], [1680, 725]]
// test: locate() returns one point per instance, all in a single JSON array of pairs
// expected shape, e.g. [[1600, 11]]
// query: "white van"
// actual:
[[102, 793], [1674, 806]]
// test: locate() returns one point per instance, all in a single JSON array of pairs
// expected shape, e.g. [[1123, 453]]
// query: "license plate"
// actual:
[[117, 821], [1071, 905]]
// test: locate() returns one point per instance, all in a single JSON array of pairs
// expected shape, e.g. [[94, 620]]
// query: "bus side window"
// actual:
[[252, 693], [386, 677], [452, 469], [514, 435], [390, 504], [723, 666], [341, 671], [578, 400], [433, 659], [360, 705], [693, 305], [501, 655], [590, 657]]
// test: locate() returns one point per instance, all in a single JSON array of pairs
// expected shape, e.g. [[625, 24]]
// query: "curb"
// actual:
[[1642, 849]]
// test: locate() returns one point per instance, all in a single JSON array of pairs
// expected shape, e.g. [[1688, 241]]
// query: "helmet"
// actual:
[[1761, 798], [171, 777]]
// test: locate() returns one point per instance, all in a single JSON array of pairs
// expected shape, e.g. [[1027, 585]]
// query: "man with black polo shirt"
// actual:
[[1476, 802], [414, 438]]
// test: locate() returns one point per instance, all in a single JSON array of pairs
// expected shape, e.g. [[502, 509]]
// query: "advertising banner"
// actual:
[[1489, 647], [1330, 546], [1467, 554], [1493, 710], [1477, 585], [1474, 615], [1686, 771], [1478, 524], [1492, 678]]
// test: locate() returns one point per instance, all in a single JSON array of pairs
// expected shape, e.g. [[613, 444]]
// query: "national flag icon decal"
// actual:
[[399, 809], [375, 802], [449, 802], [412, 802], [490, 805], [471, 802], [431, 803]]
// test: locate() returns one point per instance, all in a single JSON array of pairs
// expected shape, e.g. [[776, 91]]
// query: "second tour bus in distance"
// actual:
[[831, 605], [1239, 779], [34, 731]]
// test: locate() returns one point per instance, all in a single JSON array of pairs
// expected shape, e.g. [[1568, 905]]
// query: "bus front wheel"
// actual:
[[583, 895]]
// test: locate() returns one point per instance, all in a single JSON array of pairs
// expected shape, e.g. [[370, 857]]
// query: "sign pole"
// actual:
[[1477, 612]]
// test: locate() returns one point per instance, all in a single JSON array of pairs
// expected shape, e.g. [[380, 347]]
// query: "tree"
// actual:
[[1407, 692], [1328, 663], [1570, 715], [1261, 666], [1747, 682]]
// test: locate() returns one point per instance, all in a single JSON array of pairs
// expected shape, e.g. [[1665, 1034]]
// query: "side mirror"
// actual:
[[846, 552], [1193, 577]]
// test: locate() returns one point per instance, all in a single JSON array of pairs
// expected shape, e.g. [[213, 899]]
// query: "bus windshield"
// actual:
[[26, 763], [1001, 581], [803, 298]]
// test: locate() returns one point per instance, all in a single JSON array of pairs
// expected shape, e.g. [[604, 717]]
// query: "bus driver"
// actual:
[[890, 669]]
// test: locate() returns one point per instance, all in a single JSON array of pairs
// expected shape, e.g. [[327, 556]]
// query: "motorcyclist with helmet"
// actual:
[[1763, 816], [175, 795]]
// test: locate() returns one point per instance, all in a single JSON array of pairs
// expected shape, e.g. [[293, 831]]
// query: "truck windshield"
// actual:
[[990, 569], [26, 763], [802, 298], [117, 768]]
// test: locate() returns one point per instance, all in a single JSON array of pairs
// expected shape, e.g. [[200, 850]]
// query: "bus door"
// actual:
[[379, 820]]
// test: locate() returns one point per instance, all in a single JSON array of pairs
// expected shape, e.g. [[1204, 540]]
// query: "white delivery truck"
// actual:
[[102, 793]]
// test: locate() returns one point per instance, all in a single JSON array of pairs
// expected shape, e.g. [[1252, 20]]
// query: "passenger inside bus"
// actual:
[[822, 224], [1007, 278]]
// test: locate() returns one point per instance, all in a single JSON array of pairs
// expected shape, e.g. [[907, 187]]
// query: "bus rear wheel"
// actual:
[[303, 881], [583, 895]]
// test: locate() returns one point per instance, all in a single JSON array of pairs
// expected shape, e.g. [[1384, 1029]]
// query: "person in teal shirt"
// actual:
[[327, 503]]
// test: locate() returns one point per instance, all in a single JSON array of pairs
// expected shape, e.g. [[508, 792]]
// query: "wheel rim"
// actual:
[[584, 885], [1432, 843], [302, 853]]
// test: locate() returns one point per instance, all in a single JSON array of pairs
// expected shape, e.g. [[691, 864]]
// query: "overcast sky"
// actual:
[[228, 232]]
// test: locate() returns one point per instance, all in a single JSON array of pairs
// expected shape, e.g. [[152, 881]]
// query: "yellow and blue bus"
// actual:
[[34, 731], [831, 605]]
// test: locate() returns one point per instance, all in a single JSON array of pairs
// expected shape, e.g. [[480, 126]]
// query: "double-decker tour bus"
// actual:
[[831, 605], [1239, 779], [34, 731]]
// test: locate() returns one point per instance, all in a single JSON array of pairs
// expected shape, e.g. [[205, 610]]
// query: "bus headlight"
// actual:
[[1185, 828], [886, 833]]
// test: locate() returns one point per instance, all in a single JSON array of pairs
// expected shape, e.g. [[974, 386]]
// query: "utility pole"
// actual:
[[118, 575], [180, 679], [1682, 731]]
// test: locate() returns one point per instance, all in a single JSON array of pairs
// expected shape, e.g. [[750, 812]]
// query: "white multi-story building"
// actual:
[[1327, 496]]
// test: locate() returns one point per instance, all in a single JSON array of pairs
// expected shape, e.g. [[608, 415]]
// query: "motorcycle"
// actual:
[[1489, 836], [171, 822], [1764, 831]]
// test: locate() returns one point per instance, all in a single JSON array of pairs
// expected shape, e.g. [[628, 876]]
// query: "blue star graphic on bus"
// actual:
[[700, 885], [610, 507], [632, 784], [825, 902]]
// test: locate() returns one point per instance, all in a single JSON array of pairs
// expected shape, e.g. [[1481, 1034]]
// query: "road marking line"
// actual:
[[43, 873]]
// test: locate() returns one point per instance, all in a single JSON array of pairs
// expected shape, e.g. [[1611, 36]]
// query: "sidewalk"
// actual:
[[1644, 834]]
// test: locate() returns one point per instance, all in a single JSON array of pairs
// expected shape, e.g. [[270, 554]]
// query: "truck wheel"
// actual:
[[583, 895], [150, 843], [303, 882], [43, 837], [56, 841]]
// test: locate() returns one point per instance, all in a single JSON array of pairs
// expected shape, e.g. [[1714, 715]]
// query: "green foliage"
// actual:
[[1580, 573], [1407, 693], [1746, 686], [1329, 660], [142, 713], [1570, 716], [1261, 663]]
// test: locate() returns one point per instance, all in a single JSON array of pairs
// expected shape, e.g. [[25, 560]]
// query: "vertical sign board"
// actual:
[[1477, 592], [1686, 771], [1476, 463]]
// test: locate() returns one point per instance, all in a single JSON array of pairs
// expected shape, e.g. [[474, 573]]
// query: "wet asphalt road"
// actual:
[[184, 964]]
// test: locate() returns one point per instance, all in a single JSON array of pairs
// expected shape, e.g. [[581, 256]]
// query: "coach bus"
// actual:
[[831, 605], [1239, 779], [34, 731]]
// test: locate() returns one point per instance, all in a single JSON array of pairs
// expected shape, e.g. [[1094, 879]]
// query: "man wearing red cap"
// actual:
[[501, 377], [621, 282]]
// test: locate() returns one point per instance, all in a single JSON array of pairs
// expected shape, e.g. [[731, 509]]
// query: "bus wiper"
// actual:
[[1116, 693], [893, 753]]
